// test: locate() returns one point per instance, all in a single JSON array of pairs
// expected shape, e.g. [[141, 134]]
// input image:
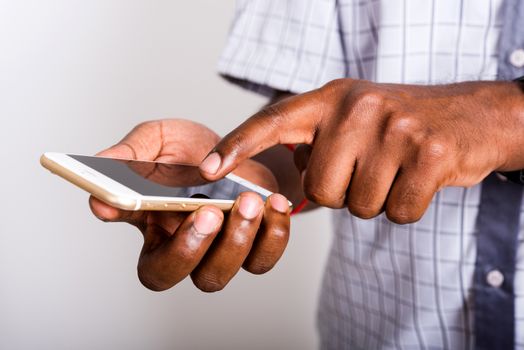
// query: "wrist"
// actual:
[[517, 175], [498, 107], [515, 119]]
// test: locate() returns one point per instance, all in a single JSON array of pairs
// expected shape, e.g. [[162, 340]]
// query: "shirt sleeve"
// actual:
[[286, 45]]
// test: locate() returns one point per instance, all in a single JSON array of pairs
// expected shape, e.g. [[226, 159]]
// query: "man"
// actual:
[[413, 138]]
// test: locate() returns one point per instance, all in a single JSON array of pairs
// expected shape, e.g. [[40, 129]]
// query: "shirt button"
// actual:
[[517, 58], [502, 177], [495, 278]]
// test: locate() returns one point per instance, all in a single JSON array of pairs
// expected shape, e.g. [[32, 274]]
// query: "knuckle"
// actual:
[[241, 238], [405, 205], [371, 99], [404, 128], [402, 215], [361, 109], [321, 195], [434, 150], [280, 233], [334, 85], [185, 253], [146, 125], [363, 211], [233, 143], [271, 116], [406, 208]]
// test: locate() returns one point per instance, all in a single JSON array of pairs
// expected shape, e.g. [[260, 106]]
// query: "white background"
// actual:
[[75, 76]]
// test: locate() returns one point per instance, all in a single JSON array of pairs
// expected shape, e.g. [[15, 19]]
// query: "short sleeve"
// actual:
[[286, 45]]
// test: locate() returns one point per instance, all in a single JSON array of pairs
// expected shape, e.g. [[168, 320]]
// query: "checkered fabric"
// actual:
[[386, 286]]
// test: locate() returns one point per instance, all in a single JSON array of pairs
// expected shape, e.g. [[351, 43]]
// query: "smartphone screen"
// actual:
[[163, 179]]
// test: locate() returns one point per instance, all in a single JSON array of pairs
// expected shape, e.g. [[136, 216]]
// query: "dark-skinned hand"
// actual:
[[207, 244], [386, 147]]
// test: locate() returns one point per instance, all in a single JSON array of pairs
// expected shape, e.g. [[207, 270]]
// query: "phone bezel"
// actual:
[[119, 195]]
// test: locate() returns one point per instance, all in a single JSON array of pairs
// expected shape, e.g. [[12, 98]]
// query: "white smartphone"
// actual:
[[144, 185]]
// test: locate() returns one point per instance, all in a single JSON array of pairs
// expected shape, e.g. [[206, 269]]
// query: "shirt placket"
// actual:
[[497, 243], [498, 219]]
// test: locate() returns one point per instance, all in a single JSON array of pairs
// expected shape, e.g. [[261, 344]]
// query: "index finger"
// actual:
[[290, 121]]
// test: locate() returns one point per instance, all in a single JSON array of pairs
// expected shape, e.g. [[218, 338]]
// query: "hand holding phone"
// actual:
[[206, 244]]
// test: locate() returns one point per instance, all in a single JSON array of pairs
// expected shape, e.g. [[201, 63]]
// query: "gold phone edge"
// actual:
[[119, 201], [86, 185]]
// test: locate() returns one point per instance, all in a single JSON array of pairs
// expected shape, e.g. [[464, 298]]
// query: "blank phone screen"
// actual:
[[163, 179]]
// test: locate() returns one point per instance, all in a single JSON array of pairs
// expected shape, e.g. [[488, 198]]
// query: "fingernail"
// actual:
[[249, 207], [206, 222], [279, 202], [211, 163]]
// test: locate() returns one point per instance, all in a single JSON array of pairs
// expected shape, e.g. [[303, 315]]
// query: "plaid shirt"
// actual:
[[386, 285]]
